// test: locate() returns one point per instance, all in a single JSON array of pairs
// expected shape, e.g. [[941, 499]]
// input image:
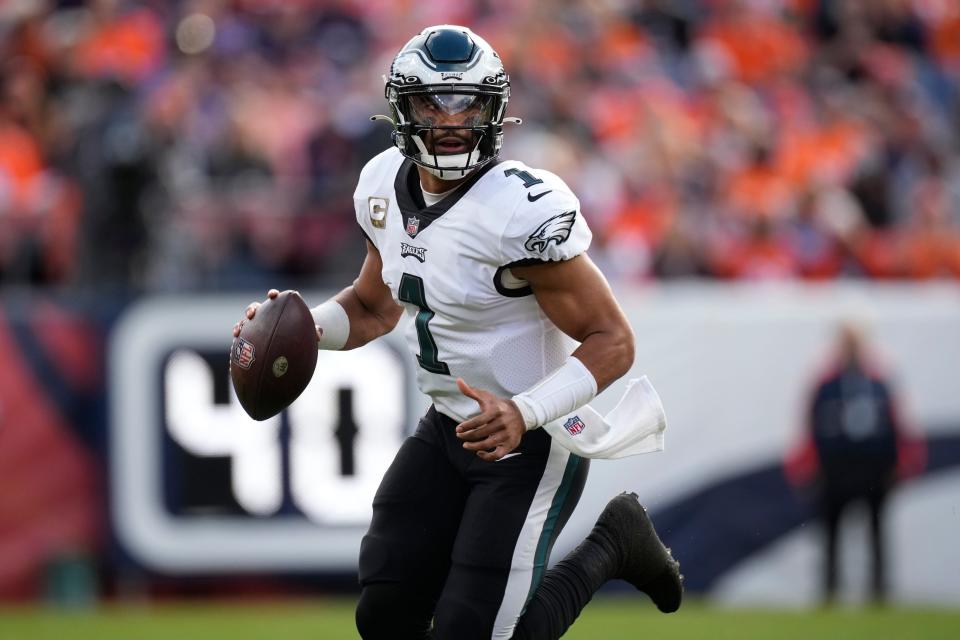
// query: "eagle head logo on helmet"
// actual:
[[448, 94]]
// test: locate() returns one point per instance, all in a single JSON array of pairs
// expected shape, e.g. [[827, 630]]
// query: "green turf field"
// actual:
[[607, 619]]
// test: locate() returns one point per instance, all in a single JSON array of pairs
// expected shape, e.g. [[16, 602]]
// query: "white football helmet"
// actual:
[[448, 93]]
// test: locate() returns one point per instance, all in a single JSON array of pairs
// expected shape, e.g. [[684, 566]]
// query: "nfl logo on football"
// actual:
[[574, 425], [243, 353]]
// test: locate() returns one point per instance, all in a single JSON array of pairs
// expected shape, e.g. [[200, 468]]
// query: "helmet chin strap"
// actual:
[[449, 167]]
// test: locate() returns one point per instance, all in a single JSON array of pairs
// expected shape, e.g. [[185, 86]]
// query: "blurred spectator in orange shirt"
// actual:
[[759, 190], [751, 43], [758, 250], [120, 43]]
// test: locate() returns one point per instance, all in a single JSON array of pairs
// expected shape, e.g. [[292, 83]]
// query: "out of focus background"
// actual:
[[763, 177]]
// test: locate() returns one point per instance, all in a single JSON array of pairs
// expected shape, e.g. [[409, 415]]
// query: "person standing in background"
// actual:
[[856, 449]]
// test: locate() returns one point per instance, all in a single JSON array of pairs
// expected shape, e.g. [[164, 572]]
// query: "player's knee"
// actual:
[[461, 619], [374, 556], [368, 617], [390, 611]]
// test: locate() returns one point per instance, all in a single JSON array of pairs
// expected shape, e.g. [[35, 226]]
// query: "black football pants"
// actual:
[[457, 545]]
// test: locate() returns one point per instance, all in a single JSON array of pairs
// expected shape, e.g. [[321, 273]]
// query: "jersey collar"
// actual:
[[410, 197]]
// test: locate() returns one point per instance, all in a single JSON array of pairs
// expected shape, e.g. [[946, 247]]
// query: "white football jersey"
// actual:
[[449, 266]]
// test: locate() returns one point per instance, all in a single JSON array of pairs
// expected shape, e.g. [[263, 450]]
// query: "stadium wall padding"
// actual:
[[168, 476]]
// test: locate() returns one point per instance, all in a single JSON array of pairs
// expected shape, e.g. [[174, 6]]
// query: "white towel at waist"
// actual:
[[634, 426]]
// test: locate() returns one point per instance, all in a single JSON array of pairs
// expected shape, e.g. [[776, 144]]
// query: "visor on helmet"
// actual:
[[451, 109]]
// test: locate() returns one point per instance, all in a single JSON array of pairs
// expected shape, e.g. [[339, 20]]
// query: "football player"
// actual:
[[513, 328]]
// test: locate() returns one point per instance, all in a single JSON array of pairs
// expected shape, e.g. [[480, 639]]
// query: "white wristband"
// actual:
[[334, 324], [565, 390]]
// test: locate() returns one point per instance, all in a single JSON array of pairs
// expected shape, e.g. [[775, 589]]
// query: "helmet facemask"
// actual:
[[449, 131]]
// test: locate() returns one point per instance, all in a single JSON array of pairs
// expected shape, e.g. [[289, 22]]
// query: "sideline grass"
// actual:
[[619, 618], [607, 618]]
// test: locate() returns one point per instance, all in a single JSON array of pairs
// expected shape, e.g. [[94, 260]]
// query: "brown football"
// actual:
[[273, 358]]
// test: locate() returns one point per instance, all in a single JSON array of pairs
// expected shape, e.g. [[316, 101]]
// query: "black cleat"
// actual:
[[642, 560]]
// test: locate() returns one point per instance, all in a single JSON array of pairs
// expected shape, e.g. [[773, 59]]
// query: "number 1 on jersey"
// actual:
[[528, 180], [411, 290]]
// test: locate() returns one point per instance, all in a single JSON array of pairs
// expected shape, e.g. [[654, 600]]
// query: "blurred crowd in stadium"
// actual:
[[215, 143]]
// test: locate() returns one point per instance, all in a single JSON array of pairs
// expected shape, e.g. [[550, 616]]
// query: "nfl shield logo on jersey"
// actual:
[[574, 425], [243, 353], [413, 223]]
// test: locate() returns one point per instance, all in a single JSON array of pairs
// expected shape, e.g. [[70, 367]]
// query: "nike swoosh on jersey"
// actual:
[[510, 455], [534, 198]]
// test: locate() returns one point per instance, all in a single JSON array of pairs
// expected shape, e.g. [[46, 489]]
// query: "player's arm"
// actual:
[[577, 299], [368, 304], [360, 313]]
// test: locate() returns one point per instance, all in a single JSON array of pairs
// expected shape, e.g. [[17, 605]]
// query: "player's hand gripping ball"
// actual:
[[274, 356]]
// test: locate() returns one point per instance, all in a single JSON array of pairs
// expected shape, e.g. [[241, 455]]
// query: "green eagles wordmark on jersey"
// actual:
[[449, 265]]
